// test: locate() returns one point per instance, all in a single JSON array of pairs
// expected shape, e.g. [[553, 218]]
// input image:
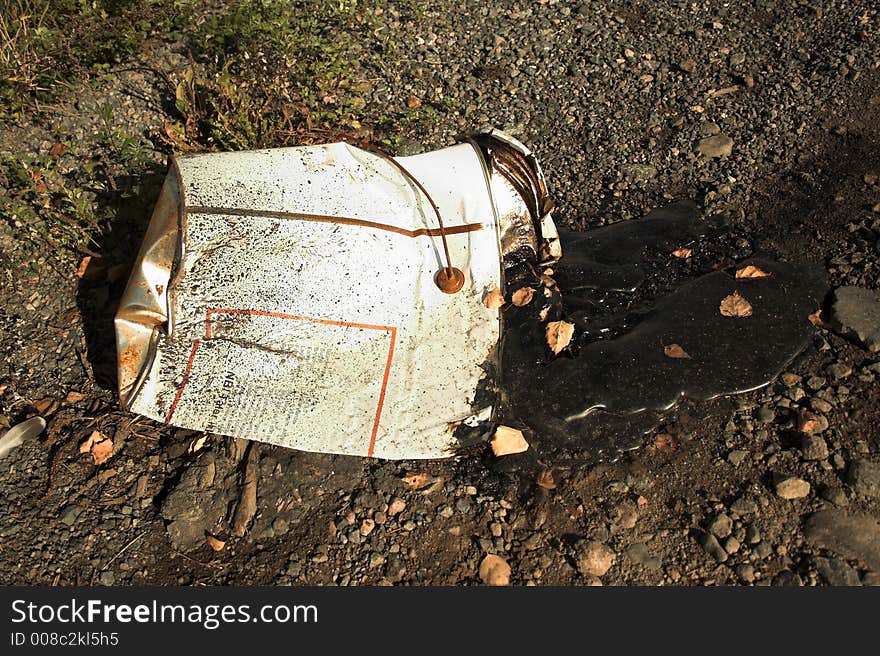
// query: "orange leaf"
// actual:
[[559, 334], [74, 397], [493, 299], [416, 481], [83, 265], [508, 441], [735, 306], [412, 102], [665, 442], [522, 296], [215, 543], [817, 320], [675, 351], [99, 445], [683, 253], [751, 272]]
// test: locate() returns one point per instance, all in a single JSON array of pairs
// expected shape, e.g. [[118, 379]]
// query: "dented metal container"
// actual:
[[296, 296]]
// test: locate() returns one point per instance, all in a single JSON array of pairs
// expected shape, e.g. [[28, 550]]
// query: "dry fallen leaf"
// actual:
[[790, 379], [45, 406], [522, 296], [508, 441], [99, 445], [413, 103], [544, 313], [416, 481], [57, 150], [83, 265], [549, 478], [735, 306], [666, 442], [74, 397], [493, 299], [215, 543], [817, 320], [675, 351], [751, 272], [494, 570], [683, 253], [197, 445], [810, 423], [559, 334]]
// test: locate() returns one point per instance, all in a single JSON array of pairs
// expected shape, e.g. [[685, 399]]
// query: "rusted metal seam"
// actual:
[[340, 220]]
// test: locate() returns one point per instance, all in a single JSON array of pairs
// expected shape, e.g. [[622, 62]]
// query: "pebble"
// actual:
[[107, 578], [743, 506], [856, 311], [864, 478], [719, 145], [820, 405], [494, 570], [765, 414], [639, 554], [854, 536], [792, 488], [835, 495], [736, 457], [745, 573], [721, 526], [836, 572], [732, 545], [594, 558], [712, 547], [762, 550], [396, 506], [814, 447], [71, 513], [463, 505], [838, 371], [753, 534]]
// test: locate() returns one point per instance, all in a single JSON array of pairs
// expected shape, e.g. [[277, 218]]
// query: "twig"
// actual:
[[122, 551]]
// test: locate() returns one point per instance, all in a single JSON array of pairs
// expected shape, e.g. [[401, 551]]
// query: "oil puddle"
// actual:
[[649, 332]]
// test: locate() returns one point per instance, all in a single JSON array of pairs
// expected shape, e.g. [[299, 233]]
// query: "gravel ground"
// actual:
[[768, 112]]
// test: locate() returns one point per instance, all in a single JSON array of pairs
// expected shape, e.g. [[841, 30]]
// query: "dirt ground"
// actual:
[[617, 100]]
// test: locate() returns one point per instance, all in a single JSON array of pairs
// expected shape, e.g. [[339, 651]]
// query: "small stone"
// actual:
[[396, 506], [836, 572], [856, 311], [446, 511], [71, 513], [814, 447], [494, 570], [787, 578], [792, 488], [743, 506], [107, 578], [732, 545], [765, 414], [687, 66], [463, 505], [737, 456], [495, 529], [719, 145], [864, 478], [816, 383], [762, 550], [639, 554], [745, 573], [721, 526], [709, 129], [753, 534], [835, 495], [712, 547], [854, 536], [838, 371], [376, 560], [819, 405], [367, 527], [594, 558]]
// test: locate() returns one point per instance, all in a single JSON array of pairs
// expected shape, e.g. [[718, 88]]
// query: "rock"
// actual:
[[107, 578], [765, 414], [494, 570], [639, 553], [396, 506], [367, 527], [838, 370], [71, 513], [814, 447], [743, 506], [856, 313], [719, 145], [712, 547], [836, 572], [721, 526], [854, 536], [732, 545], [787, 578], [737, 456], [745, 573], [762, 550], [792, 488], [594, 558], [687, 66], [834, 495], [864, 478]]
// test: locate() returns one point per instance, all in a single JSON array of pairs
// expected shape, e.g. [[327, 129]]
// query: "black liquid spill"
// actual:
[[616, 381]]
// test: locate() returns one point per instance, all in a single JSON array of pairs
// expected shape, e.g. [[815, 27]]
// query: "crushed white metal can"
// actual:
[[290, 296]]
